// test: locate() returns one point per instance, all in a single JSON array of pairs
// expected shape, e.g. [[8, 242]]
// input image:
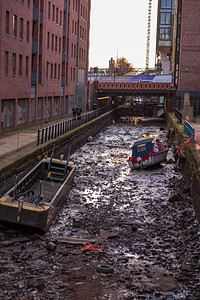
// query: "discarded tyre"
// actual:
[[105, 269]]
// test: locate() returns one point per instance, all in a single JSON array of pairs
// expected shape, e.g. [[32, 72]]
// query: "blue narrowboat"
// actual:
[[147, 153]]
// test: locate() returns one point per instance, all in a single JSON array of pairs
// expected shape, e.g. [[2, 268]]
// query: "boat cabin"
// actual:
[[142, 148]]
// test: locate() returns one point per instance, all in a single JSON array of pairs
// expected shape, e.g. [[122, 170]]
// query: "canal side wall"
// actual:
[[75, 139], [189, 163]]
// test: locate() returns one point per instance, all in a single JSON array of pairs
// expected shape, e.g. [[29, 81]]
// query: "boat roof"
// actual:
[[145, 141]]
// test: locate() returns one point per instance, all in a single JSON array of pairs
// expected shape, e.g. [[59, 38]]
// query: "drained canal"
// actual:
[[141, 224]]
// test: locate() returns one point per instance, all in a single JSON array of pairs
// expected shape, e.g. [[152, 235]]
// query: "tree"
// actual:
[[123, 66]]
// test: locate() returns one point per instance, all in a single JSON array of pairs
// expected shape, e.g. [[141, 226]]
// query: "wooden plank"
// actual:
[[74, 241], [15, 240]]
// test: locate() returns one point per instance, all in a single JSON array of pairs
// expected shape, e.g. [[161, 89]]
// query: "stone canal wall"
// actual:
[[189, 163]]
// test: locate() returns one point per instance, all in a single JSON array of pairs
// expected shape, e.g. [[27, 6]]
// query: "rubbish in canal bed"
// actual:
[[105, 269], [51, 246], [91, 248], [106, 235]]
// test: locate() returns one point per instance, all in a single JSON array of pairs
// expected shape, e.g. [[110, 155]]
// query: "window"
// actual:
[[141, 148], [53, 15], [56, 44], [27, 63], [20, 65], [55, 71], [52, 42], [15, 26], [178, 43], [59, 45], [60, 17], [48, 40], [59, 71], [166, 3], [28, 3], [14, 64], [165, 34], [49, 10], [21, 31], [165, 18], [27, 31], [72, 26], [56, 15], [6, 62], [51, 71], [74, 51], [7, 21]]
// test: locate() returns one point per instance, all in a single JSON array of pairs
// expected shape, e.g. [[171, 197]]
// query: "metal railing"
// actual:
[[189, 130], [53, 131], [178, 114]]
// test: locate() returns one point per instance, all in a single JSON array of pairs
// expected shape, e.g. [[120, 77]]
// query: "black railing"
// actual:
[[53, 131], [178, 114]]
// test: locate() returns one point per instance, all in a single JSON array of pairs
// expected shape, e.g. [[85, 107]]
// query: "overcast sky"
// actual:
[[120, 28]]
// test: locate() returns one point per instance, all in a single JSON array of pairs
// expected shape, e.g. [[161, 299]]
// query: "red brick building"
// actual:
[[44, 47], [186, 52]]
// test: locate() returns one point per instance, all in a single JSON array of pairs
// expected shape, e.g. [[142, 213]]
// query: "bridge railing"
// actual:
[[48, 133]]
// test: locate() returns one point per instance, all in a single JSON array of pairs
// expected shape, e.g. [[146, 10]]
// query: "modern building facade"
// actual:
[[186, 53], [164, 41], [44, 47]]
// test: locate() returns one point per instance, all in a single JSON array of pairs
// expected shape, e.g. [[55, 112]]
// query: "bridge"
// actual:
[[138, 86]]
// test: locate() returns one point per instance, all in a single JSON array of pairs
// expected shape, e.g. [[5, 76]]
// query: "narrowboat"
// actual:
[[36, 198], [147, 153]]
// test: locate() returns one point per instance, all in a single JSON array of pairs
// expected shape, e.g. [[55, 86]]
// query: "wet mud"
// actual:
[[139, 227]]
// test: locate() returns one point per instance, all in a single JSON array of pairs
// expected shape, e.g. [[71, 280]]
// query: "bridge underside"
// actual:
[[111, 93]]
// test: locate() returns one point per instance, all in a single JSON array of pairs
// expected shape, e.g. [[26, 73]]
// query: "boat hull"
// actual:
[[39, 214], [152, 160]]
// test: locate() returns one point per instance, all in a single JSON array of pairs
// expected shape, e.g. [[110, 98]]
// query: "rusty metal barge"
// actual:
[[36, 199]]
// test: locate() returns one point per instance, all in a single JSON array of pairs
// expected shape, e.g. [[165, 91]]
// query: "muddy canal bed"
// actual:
[[141, 225]]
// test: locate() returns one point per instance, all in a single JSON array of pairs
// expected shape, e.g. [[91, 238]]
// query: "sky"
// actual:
[[119, 29]]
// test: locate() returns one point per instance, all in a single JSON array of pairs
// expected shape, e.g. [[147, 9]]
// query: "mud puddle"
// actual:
[[147, 244]]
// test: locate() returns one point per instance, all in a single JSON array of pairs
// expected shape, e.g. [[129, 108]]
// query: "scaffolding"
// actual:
[[148, 34]]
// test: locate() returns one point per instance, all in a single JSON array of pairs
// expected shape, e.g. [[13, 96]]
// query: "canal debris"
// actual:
[[51, 246], [105, 269], [91, 248], [107, 235], [74, 241]]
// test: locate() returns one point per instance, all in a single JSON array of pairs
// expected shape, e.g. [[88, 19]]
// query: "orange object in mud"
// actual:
[[92, 248], [182, 148]]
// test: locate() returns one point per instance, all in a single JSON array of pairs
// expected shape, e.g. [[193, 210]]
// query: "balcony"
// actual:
[[34, 45], [35, 13]]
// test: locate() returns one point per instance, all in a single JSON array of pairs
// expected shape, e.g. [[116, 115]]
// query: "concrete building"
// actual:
[[44, 47], [186, 55], [164, 41]]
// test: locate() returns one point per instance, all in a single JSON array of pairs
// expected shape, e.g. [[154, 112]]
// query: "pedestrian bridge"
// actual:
[[133, 85]]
